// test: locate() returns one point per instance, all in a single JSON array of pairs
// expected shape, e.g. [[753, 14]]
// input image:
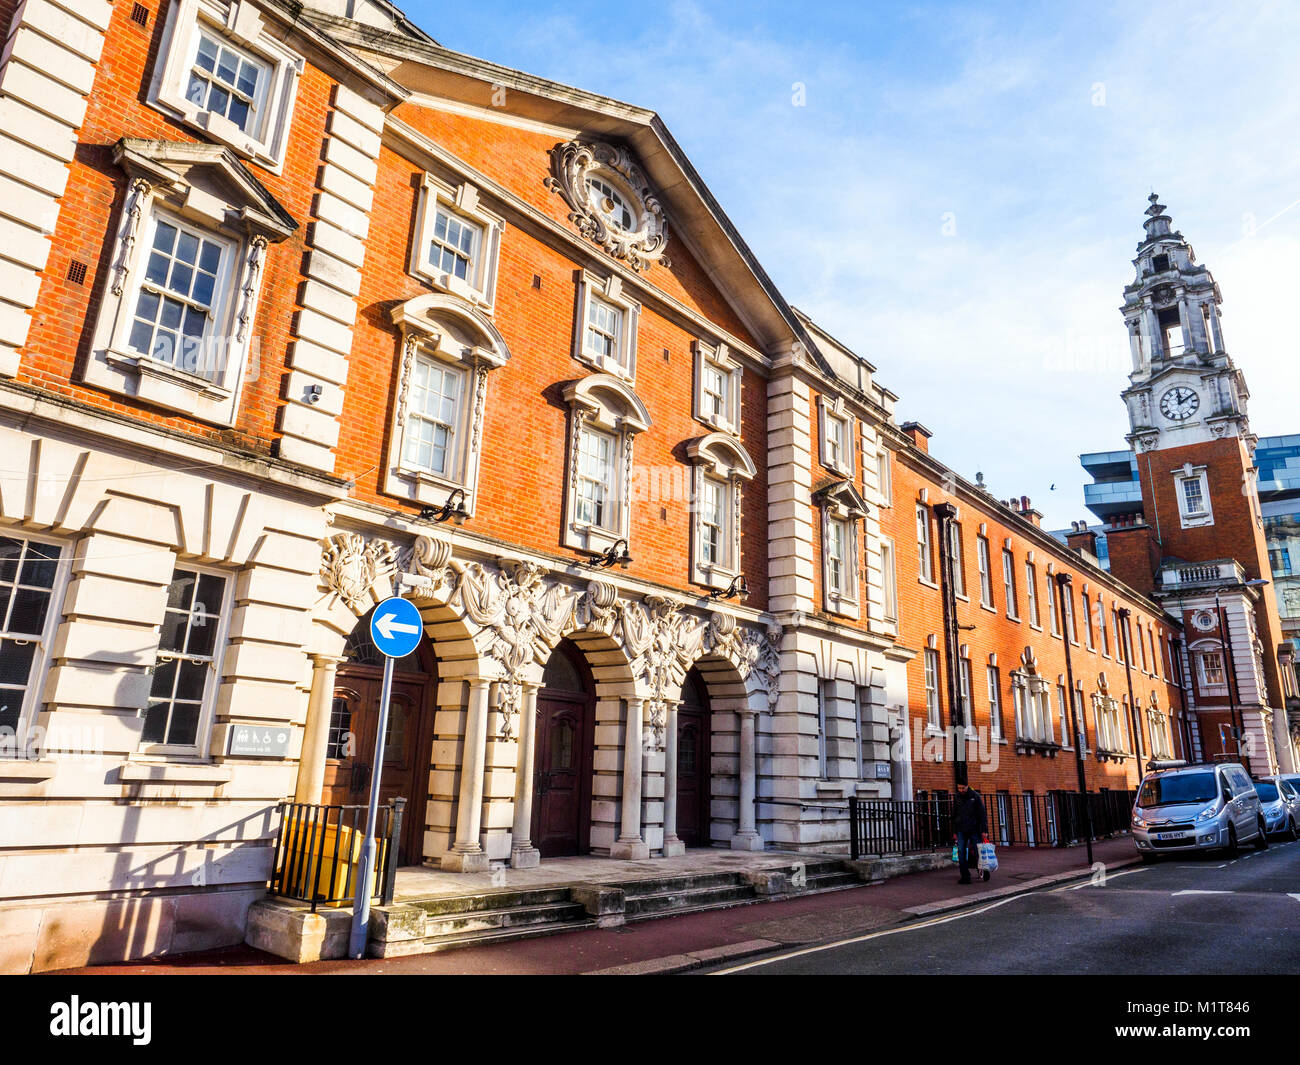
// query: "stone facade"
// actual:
[[488, 343]]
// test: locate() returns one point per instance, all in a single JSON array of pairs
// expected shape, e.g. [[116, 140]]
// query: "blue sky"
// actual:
[[960, 196]]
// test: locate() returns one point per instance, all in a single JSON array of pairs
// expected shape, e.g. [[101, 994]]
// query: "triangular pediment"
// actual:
[[842, 494], [211, 172]]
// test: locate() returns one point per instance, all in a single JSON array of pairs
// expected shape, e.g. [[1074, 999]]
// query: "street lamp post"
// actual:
[[1062, 590]]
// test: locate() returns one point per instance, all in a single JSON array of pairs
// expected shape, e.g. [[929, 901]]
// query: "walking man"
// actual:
[[970, 822]]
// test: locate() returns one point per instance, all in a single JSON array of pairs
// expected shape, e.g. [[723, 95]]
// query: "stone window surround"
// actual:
[[604, 402], [1188, 472], [841, 502], [884, 475], [178, 180], [1032, 695], [933, 704], [984, 566], [610, 289], [1197, 651], [720, 357], [723, 458], [836, 409], [461, 200], [201, 749], [889, 580], [443, 328], [1108, 723], [242, 25], [29, 711]]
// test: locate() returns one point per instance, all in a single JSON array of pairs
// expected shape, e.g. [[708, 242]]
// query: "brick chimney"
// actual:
[[1025, 509], [918, 434], [1134, 551], [1082, 539]]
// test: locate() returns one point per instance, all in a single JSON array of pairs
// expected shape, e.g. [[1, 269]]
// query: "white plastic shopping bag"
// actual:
[[988, 857]]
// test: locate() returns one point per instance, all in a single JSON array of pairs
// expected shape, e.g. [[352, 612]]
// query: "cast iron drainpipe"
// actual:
[[1134, 722], [946, 512], [1062, 590], [1176, 661]]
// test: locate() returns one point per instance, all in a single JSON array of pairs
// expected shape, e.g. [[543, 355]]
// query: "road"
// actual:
[[1200, 914]]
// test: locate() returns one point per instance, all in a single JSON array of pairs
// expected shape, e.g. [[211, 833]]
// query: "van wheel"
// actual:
[[1231, 849], [1261, 841]]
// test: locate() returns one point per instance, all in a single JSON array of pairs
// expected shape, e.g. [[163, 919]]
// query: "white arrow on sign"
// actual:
[[388, 624]]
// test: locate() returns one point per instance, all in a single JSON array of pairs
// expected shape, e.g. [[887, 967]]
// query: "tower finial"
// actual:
[[1157, 222]]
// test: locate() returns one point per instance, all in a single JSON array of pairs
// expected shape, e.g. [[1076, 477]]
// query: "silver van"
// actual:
[[1183, 807]]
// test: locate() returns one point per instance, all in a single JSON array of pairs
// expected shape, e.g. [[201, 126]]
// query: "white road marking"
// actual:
[[1109, 878], [1202, 891], [871, 935], [1295, 895]]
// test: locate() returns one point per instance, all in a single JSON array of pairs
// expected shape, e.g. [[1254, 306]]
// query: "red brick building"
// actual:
[[300, 310]]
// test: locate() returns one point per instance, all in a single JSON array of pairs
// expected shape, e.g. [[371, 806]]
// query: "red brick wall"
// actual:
[[1236, 532], [521, 480], [921, 614], [518, 160], [64, 316], [1134, 555]]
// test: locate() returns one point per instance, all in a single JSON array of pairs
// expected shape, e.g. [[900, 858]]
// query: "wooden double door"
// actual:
[[564, 740], [349, 764]]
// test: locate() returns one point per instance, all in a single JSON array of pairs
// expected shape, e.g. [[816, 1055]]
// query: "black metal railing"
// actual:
[[318, 848], [1055, 819]]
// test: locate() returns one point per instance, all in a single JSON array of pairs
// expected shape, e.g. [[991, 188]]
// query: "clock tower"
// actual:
[[1197, 543], [1184, 388]]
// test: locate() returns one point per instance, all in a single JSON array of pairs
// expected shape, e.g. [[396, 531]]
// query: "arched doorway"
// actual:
[[353, 723], [566, 723], [693, 757]]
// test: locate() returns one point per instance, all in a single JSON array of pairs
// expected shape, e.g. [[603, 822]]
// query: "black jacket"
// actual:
[[968, 814]]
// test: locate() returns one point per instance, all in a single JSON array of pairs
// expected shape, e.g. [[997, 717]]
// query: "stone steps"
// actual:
[[415, 926], [475, 938], [679, 899], [507, 917], [450, 905]]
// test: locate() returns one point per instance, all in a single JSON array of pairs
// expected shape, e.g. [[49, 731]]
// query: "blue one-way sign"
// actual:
[[396, 627]]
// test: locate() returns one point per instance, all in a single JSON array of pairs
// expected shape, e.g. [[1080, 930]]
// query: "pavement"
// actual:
[[696, 941], [1195, 914]]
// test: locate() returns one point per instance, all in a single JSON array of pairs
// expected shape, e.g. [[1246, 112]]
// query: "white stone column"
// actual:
[[523, 855], [466, 854], [747, 837], [316, 732], [629, 843], [672, 845]]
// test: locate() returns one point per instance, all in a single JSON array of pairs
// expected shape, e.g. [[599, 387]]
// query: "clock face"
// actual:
[[1179, 403]]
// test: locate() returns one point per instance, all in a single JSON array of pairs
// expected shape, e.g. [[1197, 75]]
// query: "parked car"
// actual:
[[1291, 778], [1280, 802], [1182, 807]]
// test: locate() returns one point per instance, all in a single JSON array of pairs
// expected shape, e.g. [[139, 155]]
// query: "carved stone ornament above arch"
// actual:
[[449, 325], [608, 402], [516, 611], [723, 455], [455, 346], [582, 172]]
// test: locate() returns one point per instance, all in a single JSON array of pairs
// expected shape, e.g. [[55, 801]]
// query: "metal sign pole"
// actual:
[[366, 869]]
